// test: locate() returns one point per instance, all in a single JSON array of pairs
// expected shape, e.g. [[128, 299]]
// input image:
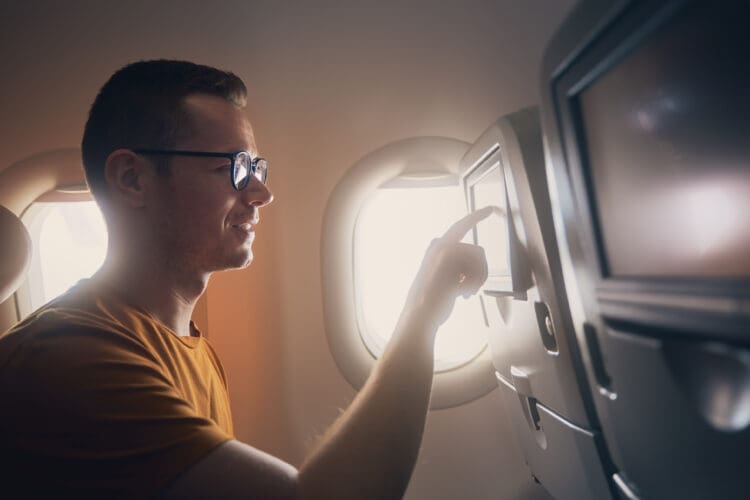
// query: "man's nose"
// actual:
[[256, 193]]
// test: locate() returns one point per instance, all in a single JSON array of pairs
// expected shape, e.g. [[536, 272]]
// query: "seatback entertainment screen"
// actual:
[[667, 146], [492, 232]]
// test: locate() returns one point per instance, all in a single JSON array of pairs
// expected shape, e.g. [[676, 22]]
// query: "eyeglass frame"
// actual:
[[232, 156]]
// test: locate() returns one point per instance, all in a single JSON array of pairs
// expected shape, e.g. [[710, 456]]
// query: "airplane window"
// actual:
[[69, 241], [393, 230], [380, 219]]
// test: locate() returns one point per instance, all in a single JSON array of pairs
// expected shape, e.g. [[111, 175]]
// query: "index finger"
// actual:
[[458, 229]]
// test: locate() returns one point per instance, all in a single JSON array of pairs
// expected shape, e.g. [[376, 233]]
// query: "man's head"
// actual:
[[142, 106], [180, 209]]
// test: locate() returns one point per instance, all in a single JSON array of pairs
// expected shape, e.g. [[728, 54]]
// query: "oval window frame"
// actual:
[[417, 159]]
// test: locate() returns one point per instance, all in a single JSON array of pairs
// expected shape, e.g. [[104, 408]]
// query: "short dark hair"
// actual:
[[140, 106]]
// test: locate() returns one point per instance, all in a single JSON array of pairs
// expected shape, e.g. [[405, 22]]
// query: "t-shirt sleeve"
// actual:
[[92, 410]]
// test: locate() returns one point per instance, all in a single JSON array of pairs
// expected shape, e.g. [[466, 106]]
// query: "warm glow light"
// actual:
[[713, 214], [394, 228], [71, 244]]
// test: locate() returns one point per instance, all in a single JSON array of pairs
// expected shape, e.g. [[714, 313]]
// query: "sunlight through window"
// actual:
[[393, 231], [70, 242]]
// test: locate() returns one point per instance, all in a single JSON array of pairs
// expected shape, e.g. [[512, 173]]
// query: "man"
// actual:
[[111, 392]]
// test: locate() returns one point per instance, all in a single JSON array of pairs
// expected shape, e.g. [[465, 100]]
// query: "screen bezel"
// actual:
[[496, 283], [703, 302]]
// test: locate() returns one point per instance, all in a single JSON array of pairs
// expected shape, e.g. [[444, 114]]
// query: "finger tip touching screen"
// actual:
[[488, 185], [485, 190]]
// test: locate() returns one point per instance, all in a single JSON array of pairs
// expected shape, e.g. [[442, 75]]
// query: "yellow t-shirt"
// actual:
[[99, 400]]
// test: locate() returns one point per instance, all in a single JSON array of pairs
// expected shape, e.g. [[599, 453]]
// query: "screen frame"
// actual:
[[486, 155], [492, 159], [693, 304]]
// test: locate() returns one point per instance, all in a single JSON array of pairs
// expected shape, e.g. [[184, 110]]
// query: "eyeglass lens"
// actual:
[[241, 169], [261, 169], [243, 164]]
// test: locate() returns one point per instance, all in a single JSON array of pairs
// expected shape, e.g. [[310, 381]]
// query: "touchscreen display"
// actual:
[[492, 232]]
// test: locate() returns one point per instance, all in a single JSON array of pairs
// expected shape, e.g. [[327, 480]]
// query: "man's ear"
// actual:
[[128, 177]]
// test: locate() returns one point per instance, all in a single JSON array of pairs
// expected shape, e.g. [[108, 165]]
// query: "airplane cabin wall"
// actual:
[[328, 82]]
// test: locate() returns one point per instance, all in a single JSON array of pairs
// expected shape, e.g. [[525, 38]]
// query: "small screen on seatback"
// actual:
[[492, 232]]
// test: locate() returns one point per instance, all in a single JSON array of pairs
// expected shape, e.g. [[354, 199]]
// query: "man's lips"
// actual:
[[246, 228], [248, 225]]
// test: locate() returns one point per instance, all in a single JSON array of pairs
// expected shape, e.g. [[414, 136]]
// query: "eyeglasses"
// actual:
[[243, 164]]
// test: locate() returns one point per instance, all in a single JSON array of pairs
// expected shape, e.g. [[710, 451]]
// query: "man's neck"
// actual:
[[166, 293]]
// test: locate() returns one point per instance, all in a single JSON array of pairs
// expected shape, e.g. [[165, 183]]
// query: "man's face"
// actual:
[[203, 223]]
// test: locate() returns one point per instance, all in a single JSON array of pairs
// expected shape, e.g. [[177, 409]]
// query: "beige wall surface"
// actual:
[[329, 81]]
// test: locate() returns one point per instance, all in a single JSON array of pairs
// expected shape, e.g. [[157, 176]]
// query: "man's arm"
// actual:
[[371, 450]]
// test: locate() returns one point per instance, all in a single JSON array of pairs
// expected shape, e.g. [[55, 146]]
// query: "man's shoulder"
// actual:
[[74, 321], [67, 308]]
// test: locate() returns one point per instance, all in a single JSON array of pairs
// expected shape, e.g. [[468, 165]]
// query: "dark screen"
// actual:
[[668, 153]]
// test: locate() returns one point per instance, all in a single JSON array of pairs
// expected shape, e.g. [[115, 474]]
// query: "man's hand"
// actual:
[[449, 268]]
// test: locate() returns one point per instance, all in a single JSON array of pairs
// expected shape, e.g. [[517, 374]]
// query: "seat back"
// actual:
[[645, 117], [49, 176], [15, 252]]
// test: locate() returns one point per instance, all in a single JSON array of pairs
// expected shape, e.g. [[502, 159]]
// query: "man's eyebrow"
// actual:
[[253, 149]]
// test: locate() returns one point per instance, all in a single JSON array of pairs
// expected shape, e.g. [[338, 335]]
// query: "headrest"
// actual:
[[15, 253], [40, 177]]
